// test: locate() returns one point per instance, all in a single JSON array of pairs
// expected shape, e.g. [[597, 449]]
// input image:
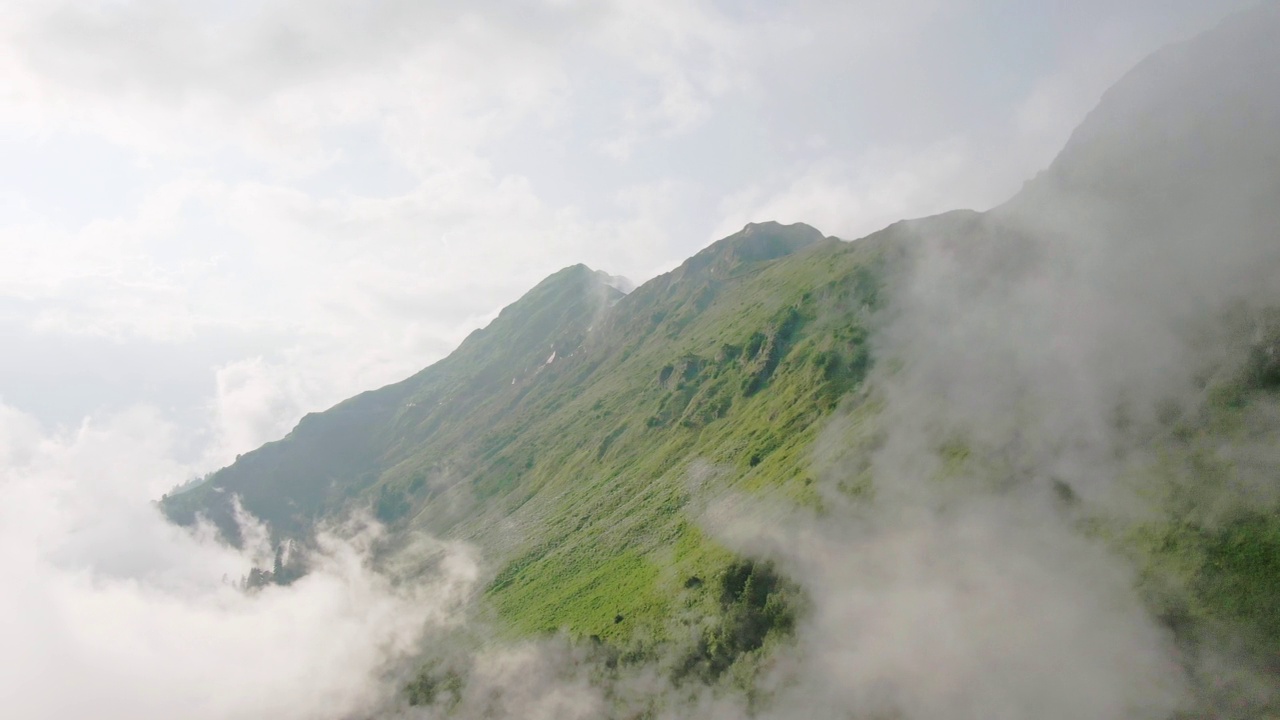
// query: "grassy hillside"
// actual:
[[579, 475], [562, 437]]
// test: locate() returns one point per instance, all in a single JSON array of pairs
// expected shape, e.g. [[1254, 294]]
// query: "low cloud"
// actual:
[[109, 611], [991, 608]]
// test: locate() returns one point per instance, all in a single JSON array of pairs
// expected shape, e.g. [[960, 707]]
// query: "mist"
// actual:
[[109, 611], [1034, 365]]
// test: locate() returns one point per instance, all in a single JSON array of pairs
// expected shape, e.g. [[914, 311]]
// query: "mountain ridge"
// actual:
[[574, 438]]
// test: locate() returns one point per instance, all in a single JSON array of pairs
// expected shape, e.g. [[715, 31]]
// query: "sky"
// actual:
[[221, 216]]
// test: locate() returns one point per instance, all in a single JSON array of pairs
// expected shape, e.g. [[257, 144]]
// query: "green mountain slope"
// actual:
[[560, 437], [575, 438]]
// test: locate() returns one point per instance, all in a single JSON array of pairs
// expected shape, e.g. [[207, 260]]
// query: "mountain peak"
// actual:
[[755, 242], [774, 236], [568, 284], [775, 226], [577, 272]]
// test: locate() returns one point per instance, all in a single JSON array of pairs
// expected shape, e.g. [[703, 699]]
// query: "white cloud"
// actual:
[[108, 611], [996, 609]]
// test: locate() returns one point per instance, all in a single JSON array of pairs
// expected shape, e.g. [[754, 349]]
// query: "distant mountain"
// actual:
[[1192, 115], [1180, 151], [572, 437]]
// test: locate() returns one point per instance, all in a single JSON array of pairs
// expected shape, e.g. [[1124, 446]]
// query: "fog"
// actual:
[[109, 611], [1031, 363]]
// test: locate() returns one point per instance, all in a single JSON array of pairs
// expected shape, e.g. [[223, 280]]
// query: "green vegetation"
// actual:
[[755, 605], [730, 362], [578, 476], [581, 475], [432, 686], [736, 617], [1211, 561]]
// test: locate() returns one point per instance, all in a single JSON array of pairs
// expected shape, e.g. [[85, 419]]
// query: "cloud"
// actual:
[[437, 82], [994, 607], [110, 611], [1045, 345]]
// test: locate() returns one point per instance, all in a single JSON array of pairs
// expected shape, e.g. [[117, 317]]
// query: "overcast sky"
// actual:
[[231, 213]]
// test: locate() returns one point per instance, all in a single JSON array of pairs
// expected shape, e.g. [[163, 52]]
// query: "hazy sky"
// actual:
[[232, 213]]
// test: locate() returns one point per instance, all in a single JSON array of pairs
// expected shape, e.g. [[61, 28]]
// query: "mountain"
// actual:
[[575, 438], [1190, 116], [1181, 150], [559, 437]]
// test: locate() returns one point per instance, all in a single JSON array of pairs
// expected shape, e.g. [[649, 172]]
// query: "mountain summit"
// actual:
[[756, 242]]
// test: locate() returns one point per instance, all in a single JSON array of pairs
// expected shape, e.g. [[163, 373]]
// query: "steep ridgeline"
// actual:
[[560, 437], [333, 458], [1124, 302]]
